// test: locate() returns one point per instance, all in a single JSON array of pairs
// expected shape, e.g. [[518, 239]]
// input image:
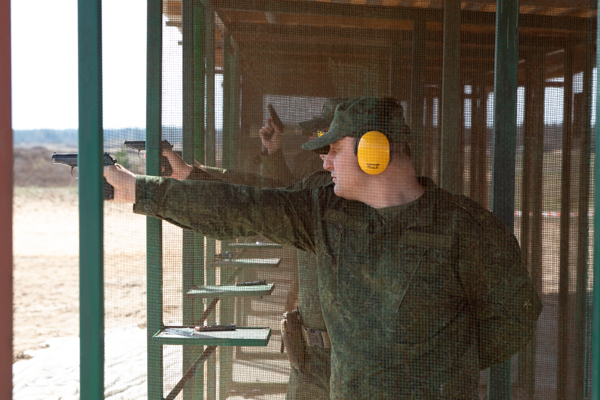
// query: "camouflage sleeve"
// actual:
[[274, 166], [231, 176], [226, 211], [501, 293]]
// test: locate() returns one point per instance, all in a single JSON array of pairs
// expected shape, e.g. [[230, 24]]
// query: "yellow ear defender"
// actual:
[[373, 152]]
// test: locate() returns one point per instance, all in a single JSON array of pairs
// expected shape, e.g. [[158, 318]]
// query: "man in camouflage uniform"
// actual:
[[310, 382], [276, 171], [420, 288]]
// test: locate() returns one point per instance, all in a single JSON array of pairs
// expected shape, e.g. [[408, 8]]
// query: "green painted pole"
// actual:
[[210, 157], [199, 21], [209, 51], [417, 94], [450, 109], [227, 102], [537, 187], [236, 95], [505, 134], [6, 207], [562, 369], [583, 225], [526, 370], [153, 225], [91, 195], [478, 161], [192, 134], [596, 295]]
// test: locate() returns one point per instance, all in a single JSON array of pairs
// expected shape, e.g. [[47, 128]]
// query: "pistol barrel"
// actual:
[[69, 159]]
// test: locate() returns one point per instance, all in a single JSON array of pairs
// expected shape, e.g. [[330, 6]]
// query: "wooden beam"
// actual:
[[394, 13]]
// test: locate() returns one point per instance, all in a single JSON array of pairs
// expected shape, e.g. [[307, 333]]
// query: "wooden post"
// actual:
[[6, 207]]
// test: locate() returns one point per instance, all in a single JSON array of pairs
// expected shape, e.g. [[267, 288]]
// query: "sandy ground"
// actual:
[[46, 267]]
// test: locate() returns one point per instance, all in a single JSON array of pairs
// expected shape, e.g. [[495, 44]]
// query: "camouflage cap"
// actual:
[[357, 116], [324, 120]]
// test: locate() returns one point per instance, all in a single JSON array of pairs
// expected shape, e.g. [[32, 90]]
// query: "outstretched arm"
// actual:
[[220, 210]]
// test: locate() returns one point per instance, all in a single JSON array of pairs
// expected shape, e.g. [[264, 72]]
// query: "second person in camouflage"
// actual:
[[312, 382]]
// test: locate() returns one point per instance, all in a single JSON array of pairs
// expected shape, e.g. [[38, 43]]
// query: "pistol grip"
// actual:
[[167, 166], [109, 191]]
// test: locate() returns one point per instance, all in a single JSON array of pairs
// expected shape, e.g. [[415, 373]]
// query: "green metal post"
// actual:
[[236, 93], [505, 134], [91, 194], [537, 203], [527, 355], [209, 154], [227, 82], [428, 138], [199, 152], [153, 225], [417, 95], [231, 93], [478, 161], [449, 174], [565, 224], [582, 300], [230, 135], [209, 51], [193, 146], [395, 73], [596, 295]]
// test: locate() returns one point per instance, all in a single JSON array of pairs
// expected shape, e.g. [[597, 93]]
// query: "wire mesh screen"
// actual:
[[395, 284]]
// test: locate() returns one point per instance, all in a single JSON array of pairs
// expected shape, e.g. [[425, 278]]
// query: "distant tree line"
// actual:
[[69, 137], [115, 137]]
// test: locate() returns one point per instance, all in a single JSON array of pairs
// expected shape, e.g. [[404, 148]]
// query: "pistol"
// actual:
[[70, 159], [215, 328], [252, 283], [276, 120], [140, 145]]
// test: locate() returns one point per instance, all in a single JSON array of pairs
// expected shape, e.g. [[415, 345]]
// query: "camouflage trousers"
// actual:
[[314, 383]]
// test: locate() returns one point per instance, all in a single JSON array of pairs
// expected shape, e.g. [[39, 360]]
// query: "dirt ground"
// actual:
[[46, 255]]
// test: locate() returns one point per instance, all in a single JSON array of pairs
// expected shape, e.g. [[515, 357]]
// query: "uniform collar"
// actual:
[[424, 216]]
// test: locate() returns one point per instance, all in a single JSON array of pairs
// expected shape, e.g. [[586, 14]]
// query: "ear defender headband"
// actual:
[[373, 151]]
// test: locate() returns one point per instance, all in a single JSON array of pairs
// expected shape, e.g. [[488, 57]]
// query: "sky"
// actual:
[[44, 63], [44, 67]]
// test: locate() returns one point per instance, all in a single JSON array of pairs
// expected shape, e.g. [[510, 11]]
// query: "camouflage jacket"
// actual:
[[302, 164], [417, 298], [308, 292]]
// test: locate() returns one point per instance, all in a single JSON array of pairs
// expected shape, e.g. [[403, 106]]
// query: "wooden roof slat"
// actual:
[[392, 13], [273, 33]]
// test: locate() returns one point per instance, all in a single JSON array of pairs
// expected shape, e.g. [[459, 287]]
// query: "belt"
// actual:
[[316, 338]]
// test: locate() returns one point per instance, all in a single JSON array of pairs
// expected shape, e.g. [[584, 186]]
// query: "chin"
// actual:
[[340, 193]]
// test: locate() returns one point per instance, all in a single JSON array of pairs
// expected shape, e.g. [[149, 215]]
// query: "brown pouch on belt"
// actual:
[[292, 339]]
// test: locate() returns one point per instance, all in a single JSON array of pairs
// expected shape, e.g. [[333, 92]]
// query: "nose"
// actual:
[[327, 163]]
